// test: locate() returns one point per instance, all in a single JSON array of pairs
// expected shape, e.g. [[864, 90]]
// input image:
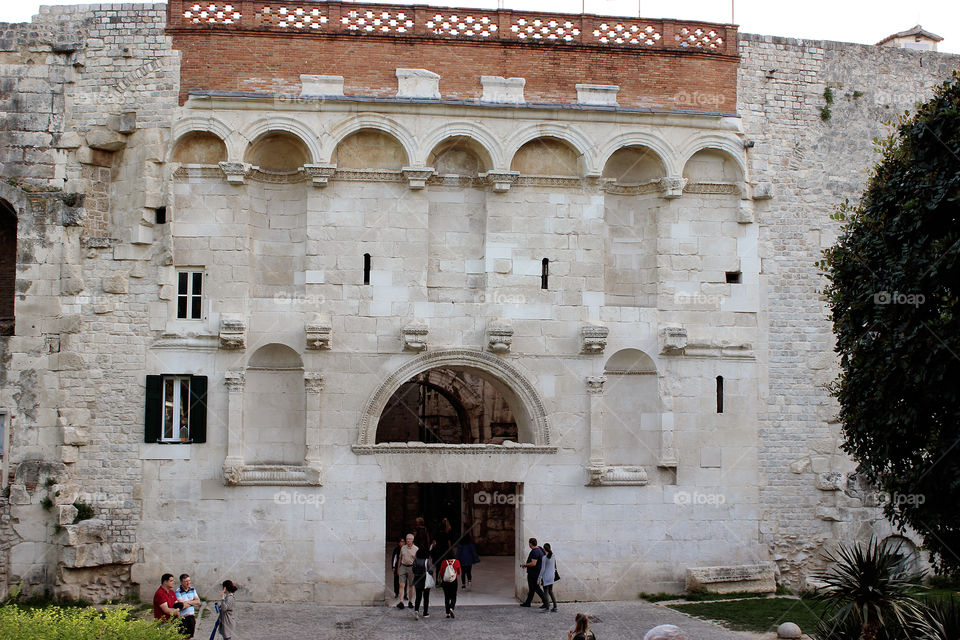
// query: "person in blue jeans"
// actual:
[[532, 565]]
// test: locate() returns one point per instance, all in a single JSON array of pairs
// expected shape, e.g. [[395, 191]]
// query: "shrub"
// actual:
[[55, 623], [940, 619]]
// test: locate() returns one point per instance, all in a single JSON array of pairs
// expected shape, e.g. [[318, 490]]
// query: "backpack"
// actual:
[[449, 573]]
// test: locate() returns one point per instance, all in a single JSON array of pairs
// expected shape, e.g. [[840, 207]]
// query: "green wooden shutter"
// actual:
[[153, 409], [198, 408]]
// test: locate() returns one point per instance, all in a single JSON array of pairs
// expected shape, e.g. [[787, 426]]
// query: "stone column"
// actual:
[[668, 452], [234, 381], [595, 393], [313, 382]]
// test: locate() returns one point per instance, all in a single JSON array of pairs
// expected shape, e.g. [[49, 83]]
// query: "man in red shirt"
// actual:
[[165, 600]]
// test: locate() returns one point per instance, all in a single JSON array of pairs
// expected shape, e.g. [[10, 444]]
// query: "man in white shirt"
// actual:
[[188, 596]]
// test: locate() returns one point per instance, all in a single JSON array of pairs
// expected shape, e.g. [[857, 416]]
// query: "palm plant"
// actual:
[[868, 586], [940, 619]]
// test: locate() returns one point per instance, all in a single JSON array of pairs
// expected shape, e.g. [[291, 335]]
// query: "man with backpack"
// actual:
[[449, 574]]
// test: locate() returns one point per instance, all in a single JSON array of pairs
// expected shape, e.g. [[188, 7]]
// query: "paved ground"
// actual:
[[613, 621]]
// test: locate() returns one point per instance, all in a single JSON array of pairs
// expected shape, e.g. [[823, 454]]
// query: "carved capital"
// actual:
[[501, 180], [234, 380], [313, 381], [415, 336], [674, 340], [595, 384], [672, 187], [417, 176], [320, 173], [232, 475], [233, 334], [593, 338], [318, 335], [499, 337], [235, 172]]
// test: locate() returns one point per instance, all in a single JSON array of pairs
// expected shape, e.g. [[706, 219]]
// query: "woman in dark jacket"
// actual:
[[467, 555], [422, 567]]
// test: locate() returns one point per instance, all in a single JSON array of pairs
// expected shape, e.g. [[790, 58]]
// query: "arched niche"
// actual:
[[712, 166], [274, 407], [631, 418], [634, 165], [8, 268], [370, 149], [199, 147], [547, 156], [512, 385], [278, 152], [448, 406], [461, 156], [906, 549]]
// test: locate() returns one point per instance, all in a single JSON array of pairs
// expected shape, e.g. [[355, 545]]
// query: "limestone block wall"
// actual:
[[814, 164]]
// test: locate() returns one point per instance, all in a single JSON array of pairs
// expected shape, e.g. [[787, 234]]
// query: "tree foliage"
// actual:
[[894, 282]]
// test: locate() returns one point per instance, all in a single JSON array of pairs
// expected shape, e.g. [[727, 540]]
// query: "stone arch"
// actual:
[[480, 136], [274, 407], [370, 149], [664, 152], [278, 124], [572, 136], [199, 147], [547, 156], [525, 402], [8, 268], [277, 152], [634, 165], [211, 125], [732, 149], [459, 155], [370, 121]]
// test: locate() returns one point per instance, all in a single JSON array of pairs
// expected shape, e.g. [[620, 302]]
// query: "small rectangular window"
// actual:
[[733, 277], [175, 409], [190, 295]]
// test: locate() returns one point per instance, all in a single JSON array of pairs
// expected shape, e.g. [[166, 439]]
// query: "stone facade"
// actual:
[[262, 272]]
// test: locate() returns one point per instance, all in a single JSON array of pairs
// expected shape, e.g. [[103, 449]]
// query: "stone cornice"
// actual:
[[455, 449]]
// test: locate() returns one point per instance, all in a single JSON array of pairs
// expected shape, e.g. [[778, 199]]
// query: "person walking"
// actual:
[[467, 555], [188, 596], [408, 554], [581, 629], [395, 566], [423, 581], [227, 625], [548, 572], [532, 566], [449, 574], [442, 547]]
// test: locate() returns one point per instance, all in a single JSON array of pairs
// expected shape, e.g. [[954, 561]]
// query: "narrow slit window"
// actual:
[[544, 273], [719, 394], [733, 277], [160, 215], [366, 268]]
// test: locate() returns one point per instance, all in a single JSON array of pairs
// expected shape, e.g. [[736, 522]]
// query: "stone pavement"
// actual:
[[613, 621]]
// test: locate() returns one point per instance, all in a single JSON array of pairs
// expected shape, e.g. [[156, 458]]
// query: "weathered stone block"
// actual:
[[830, 481], [66, 513], [417, 83], [116, 283], [751, 578], [105, 139], [87, 532]]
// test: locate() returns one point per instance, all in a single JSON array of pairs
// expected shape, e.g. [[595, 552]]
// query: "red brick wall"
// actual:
[[263, 58]]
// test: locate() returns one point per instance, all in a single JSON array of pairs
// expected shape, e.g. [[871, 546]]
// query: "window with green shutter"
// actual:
[[175, 409]]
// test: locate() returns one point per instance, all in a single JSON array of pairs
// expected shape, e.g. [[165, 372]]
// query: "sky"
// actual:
[[863, 21]]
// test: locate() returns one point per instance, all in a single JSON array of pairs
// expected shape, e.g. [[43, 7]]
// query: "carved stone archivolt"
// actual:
[[537, 425]]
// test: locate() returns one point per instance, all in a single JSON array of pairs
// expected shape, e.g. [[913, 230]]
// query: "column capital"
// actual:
[[234, 380], [313, 381], [595, 384]]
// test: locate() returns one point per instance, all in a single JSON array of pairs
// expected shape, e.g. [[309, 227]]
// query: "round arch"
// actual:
[[660, 147], [475, 132], [208, 124], [528, 409], [731, 147], [369, 121], [286, 125], [574, 137]]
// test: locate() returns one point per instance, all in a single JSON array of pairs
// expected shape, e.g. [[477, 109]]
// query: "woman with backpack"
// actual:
[[449, 574], [422, 582], [548, 575]]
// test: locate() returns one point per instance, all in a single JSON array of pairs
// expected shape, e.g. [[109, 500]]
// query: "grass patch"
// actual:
[[698, 596], [757, 615]]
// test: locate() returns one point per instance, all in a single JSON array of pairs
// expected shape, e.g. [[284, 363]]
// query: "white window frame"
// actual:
[[192, 273], [178, 400]]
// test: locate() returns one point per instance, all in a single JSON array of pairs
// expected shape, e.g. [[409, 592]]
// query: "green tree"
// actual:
[[894, 282]]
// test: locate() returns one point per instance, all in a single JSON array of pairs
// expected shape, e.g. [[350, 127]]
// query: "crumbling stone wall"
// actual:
[[814, 163]]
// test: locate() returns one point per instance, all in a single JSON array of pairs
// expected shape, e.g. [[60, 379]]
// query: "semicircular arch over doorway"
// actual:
[[525, 403]]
